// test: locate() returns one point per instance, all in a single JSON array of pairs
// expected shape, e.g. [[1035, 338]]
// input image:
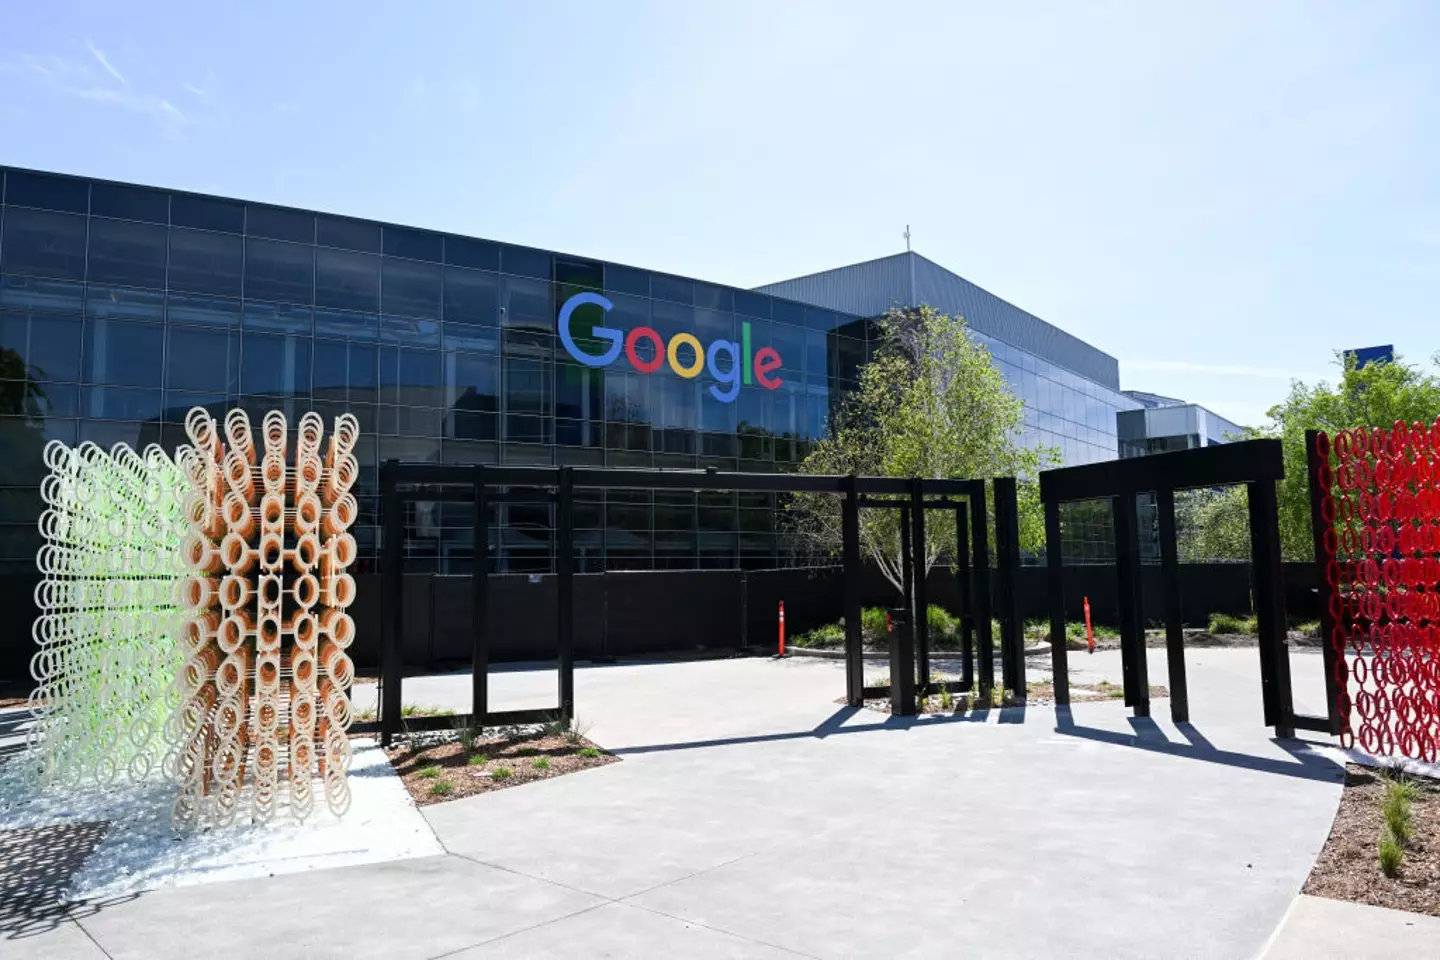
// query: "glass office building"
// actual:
[[121, 307]]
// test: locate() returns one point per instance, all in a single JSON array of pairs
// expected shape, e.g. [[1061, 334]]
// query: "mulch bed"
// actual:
[[1036, 695], [6, 702], [1348, 867], [516, 753]]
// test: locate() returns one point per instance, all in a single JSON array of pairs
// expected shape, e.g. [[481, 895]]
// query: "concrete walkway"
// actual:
[[754, 817], [1316, 927]]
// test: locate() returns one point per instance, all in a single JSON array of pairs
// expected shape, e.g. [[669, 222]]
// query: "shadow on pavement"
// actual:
[[36, 864]]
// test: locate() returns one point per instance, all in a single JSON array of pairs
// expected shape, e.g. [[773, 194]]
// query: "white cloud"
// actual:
[[109, 68], [194, 91], [105, 84]]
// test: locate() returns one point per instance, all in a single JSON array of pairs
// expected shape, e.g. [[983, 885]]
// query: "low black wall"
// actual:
[[645, 613]]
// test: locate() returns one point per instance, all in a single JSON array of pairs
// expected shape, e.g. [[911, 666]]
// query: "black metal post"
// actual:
[[907, 561], [902, 665], [980, 558], [854, 653], [1337, 671], [480, 603], [1007, 568], [1170, 588], [922, 606], [392, 665], [1270, 607], [1055, 596], [1132, 621], [565, 589], [967, 599]]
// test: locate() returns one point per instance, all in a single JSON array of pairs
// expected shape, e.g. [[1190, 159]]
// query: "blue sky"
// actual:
[[1220, 195]]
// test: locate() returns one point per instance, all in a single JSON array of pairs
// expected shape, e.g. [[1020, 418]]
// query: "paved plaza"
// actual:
[[752, 816]]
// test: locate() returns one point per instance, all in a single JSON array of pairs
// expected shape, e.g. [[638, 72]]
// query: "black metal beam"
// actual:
[[1132, 622], [850, 546], [1007, 569], [980, 560], [1055, 599], [1229, 463], [918, 542], [480, 598], [1270, 607], [1337, 671], [1174, 626], [392, 667], [565, 589], [967, 597]]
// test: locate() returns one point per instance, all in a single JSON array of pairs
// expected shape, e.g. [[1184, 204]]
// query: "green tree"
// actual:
[[931, 403], [1212, 525], [1375, 396]]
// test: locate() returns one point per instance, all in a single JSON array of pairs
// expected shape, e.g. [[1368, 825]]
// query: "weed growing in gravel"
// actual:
[[527, 752], [947, 701], [1391, 853], [478, 760], [466, 735], [429, 773], [588, 753], [442, 788], [502, 773], [1399, 819], [541, 763]]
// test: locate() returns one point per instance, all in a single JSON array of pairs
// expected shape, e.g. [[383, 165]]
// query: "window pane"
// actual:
[[471, 295], [341, 323], [121, 403], [207, 213], [410, 330], [204, 262], [199, 359], [275, 364], [129, 203], [43, 244], [479, 254], [676, 289], [471, 381], [124, 303], [279, 224], [526, 304], [285, 317], [347, 234], [55, 347], [627, 280], [123, 353], [27, 293], [47, 192], [279, 271], [128, 253], [350, 281], [465, 337], [410, 289], [714, 298], [413, 244], [201, 308], [410, 376], [524, 262], [752, 304], [345, 370], [527, 387]]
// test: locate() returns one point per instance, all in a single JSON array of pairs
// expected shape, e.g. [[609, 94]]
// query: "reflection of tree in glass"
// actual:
[[20, 391]]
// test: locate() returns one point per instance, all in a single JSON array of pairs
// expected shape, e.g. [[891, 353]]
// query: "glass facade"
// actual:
[[121, 307]]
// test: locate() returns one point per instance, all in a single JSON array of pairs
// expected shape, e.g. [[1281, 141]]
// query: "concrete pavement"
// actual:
[[1317, 927], [753, 816]]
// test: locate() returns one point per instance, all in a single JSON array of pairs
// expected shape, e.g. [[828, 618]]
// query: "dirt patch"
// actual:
[[6, 702], [526, 757], [1036, 695], [1348, 867]]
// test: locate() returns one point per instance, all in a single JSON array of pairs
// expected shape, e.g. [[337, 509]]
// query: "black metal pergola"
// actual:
[[1257, 464], [482, 485]]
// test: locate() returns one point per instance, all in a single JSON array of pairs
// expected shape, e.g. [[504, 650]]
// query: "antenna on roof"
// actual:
[[907, 238]]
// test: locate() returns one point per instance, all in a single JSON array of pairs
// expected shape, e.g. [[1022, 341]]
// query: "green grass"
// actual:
[[1396, 808], [947, 699], [1309, 628], [478, 760], [416, 710], [527, 752], [541, 763], [829, 637], [442, 788], [588, 753], [502, 773], [466, 734], [1391, 853], [1221, 623], [429, 773]]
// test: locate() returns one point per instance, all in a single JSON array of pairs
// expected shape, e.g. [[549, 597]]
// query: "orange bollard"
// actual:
[[1089, 631], [782, 628]]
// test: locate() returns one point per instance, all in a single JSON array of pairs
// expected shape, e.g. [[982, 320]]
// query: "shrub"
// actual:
[[466, 735], [541, 763], [478, 760], [502, 773], [429, 773], [940, 621], [1391, 853], [947, 700], [828, 637], [442, 788], [1399, 819], [872, 621], [1225, 623], [588, 753]]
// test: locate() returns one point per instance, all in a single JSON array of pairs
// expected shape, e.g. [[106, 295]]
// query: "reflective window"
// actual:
[[347, 234], [461, 336], [47, 192], [55, 348], [278, 223], [343, 369], [129, 203], [285, 317], [207, 213], [205, 262], [525, 304], [123, 353], [410, 376], [350, 281], [788, 311], [627, 280], [279, 271], [676, 289], [410, 288], [524, 262], [752, 304], [413, 244], [37, 293], [410, 330], [121, 403], [713, 297], [200, 359], [202, 308], [527, 387], [124, 303], [43, 244], [471, 295], [478, 254], [341, 323], [275, 364]]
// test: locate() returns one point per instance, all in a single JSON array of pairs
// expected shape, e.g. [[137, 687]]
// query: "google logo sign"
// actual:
[[728, 377]]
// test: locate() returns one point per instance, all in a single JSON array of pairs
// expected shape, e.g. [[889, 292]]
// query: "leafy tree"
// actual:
[[1376, 395], [931, 403], [1212, 525]]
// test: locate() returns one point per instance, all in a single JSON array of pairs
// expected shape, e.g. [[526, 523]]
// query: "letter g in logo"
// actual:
[[615, 337]]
